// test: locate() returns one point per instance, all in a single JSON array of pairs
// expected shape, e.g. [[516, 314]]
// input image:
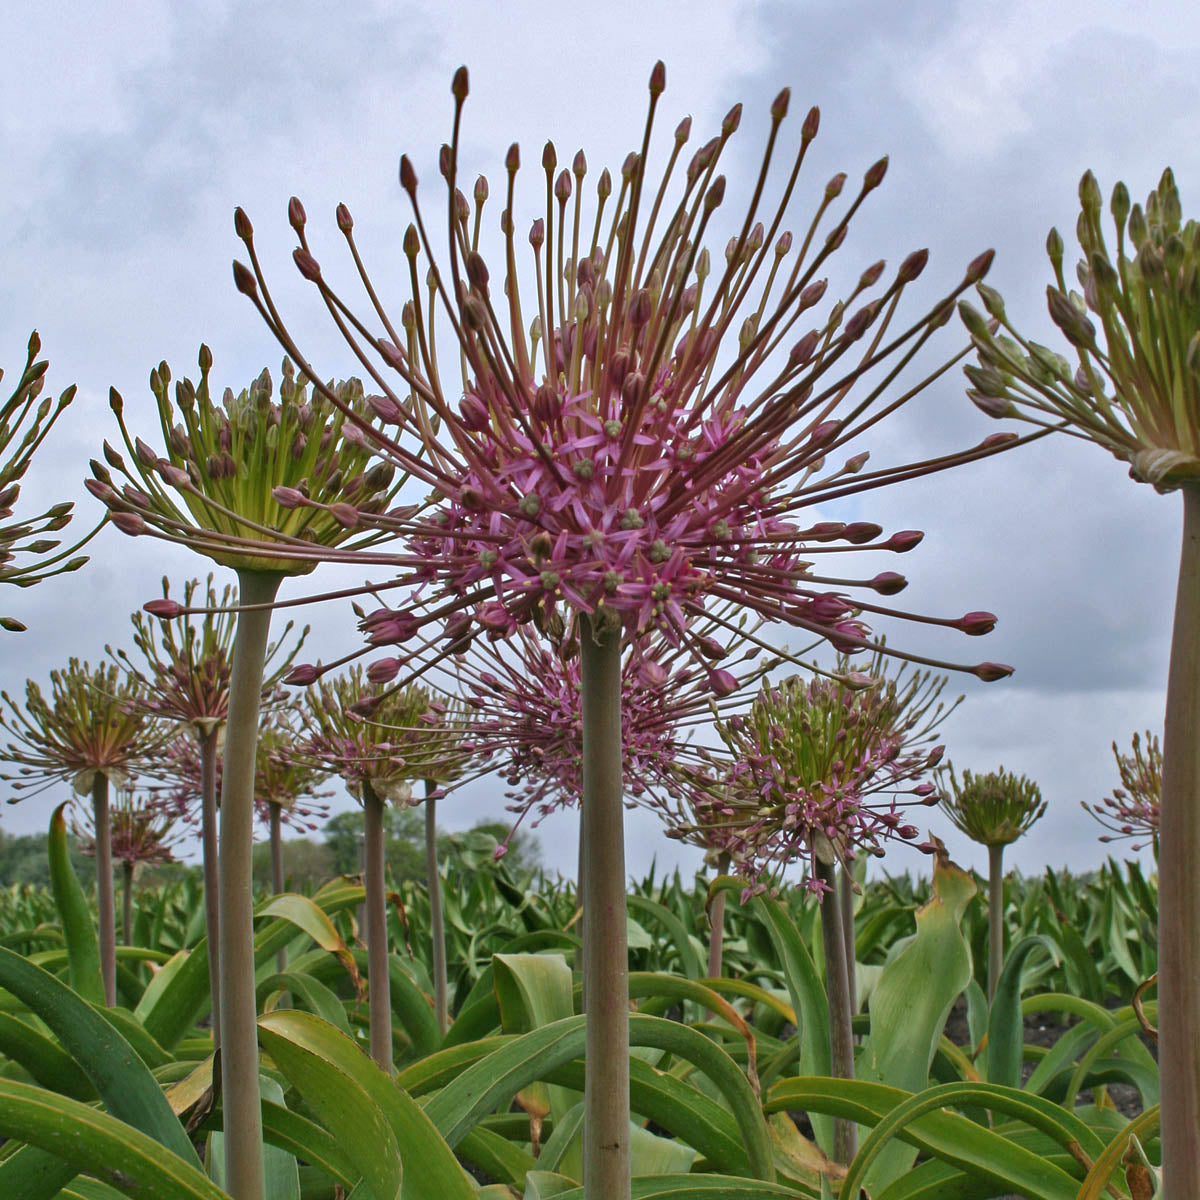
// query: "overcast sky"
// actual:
[[130, 131]]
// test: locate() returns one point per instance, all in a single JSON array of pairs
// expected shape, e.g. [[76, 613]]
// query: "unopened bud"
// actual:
[[166, 610], [308, 266], [302, 676], [989, 672], [904, 541], [345, 222], [297, 217], [976, 623], [875, 173], [888, 583], [241, 224]]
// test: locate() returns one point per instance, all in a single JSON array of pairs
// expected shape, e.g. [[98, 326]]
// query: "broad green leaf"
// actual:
[[430, 1169], [702, 1187], [79, 931], [306, 992], [809, 1003], [680, 937], [307, 916], [533, 990], [912, 1000], [1006, 1027], [45, 1060], [545, 1185], [95, 1142], [127, 1088]]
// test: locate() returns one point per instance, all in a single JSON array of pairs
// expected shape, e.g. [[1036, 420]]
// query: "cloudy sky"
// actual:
[[130, 131]]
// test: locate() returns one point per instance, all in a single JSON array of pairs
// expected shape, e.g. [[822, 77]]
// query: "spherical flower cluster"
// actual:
[[526, 698], [388, 738], [992, 809], [816, 771], [1132, 809], [139, 832], [654, 440]]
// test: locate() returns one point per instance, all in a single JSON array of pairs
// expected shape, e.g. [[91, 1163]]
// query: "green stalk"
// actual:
[[995, 916], [846, 899], [104, 887], [379, 987], [276, 839], [1179, 878], [437, 922], [208, 842], [127, 903], [841, 1031], [239, 1013], [606, 1162], [716, 917]]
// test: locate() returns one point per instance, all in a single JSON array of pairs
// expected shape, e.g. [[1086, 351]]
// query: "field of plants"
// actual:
[[1033, 1095], [591, 513]]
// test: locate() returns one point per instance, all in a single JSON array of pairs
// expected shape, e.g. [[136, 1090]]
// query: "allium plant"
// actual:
[[651, 442], [380, 757], [86, 734], [820, 771], [1134, 389], [184, 679], [1133, 808], [993, 810], [224, 462], [139, 833], [40, 558]]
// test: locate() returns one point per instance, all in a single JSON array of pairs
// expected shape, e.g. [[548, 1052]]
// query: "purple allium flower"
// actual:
[[280, 779], [817, 770], [189, 660], [1132, 809], [88, 726], [528, 714], [140, 832], [656, 438]]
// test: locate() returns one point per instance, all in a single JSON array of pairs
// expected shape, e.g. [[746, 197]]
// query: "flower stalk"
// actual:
[[437, 919], [104, 887], [606, 1161], [837, 987], [239, 1013], [378, 982]]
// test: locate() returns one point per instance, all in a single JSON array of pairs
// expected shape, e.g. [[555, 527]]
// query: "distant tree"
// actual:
[[24, 859]]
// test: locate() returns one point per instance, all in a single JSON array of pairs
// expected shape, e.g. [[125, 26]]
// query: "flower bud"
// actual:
[[297, 218], [722, 683], [989, 672], [888, 583], [303, 676], [288, 497], [308, 266], [976, 623], [383, 670], [166, 610], [904, 540]]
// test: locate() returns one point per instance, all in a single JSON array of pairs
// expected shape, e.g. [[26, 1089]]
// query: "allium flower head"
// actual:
[[808, 768], [280, 778], [1132, 809], [140, 833], [527, 701], [992, 809], [262, 480], [88, 726], [189, 660], [642, 425], [1134, 328], [367, 733], [40, 557]]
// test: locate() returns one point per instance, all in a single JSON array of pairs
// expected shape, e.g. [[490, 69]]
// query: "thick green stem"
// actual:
[[606, 1163], [437, 922], [239, 1013], [379, 986], [841, 1031], [716, 918], [1179, 878], [846, 899], [995, 916], [208, 843], [127, 902], [104, 887], [276, 837]]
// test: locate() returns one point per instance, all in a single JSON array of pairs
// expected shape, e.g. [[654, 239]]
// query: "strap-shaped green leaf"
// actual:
[[79, 931], [92, 1141]]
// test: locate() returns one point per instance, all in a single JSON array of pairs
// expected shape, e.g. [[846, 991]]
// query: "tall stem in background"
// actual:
[[716, 919], [379, 986], [437, 922], [127, 903], [208, 842], [995, 916], [1179, 878], [841, 1033], [276, 838], [846, 900], [606, 1163], [239, 1012], [104, 887]]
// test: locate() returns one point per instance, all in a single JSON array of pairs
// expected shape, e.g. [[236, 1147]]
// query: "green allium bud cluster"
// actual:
[[1134, 329], [993, 809]]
